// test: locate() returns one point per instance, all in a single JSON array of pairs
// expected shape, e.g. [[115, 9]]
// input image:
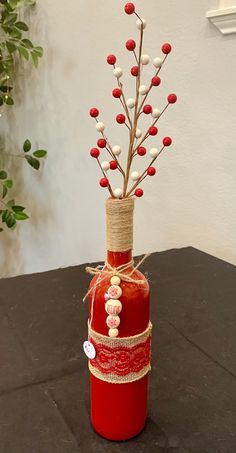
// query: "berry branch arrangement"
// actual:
[[133, 109]]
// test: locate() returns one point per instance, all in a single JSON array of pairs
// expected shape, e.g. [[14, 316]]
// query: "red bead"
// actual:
[[94, 152], [147, 109], [156, 81], [130, 44], [167, 141], [102, 143], [129, 8], [113, 165], [116, 93], [94, 112], [141, 151], [153, 130], [120, 118], [172, 98], [166, 48], [104, 182], [151, 171], [134, 71], [138, 192], [111, 59]]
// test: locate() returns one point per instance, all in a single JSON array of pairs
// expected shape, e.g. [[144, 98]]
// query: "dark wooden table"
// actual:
[[44, 392]]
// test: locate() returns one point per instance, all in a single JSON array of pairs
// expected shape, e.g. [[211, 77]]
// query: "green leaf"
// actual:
[[27, 146], [12, 3], [3, 174], [10, 203], [40, 153], [38, 50], [11, 47], [1, 100], [23, 52], [10, 19], [4, 191], [22, 26], [5, 215], [33, 162], [27, 43], [15, 33], [18, 208], [34, 57], [11, 221], [8, 183], [8, 100], [5, 88], [21, 216]]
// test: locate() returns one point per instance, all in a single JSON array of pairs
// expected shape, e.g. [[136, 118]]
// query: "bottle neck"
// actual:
[[116, 259]]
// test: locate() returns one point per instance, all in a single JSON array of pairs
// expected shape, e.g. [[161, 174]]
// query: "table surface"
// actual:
[[44, 391]]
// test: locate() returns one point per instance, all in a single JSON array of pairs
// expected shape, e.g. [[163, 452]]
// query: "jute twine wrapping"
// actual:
[[119, 224]]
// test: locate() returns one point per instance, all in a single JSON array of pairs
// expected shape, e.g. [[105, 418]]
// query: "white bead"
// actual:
[[113, 321], [156, 113], [113, 333], [117, 192], [157, 62], [113, 307], [118, 72], [130, 102], [100, 126], [105, 165], [138, 133], [153, 152], [114, 292], [143, 89], [115, 280], [116, 150], [145, 59], [140, 22], [135, 175]]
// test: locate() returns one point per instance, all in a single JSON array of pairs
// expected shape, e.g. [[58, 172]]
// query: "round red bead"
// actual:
[[130, 44], [167, 141], [134, 71], [104, 182], [147, 109], [116, 93], [166, 48], [172, 98], [156, 81], [120, 118], [94, 112], [111, 59], [129, 8], [151, 171], [102, 143], [153, 130], [94, 152], [141, 151], [138, 192], [113, 165]]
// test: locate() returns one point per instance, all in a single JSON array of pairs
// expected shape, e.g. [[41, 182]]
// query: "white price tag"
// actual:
[[89, 349]]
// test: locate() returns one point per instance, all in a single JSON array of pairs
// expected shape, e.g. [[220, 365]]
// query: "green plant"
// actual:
[[14, 45]]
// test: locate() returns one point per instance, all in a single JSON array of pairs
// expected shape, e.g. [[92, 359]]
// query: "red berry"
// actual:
[[129, 8], [113, 165], [138, 192], [156, 81], [111, 59], [116, 93], [104, 182], [141, 151], [147, 109], [167, 141], [134, 71], [102, 143], [172, 98], [130, 44], [151, 171], [166, 48], [153, 130], [120, 118], [94, 152], [94, 112]]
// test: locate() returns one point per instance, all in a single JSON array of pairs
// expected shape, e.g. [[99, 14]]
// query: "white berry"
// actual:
[[141, 22], [145, 59], [131, 103], [113, 333], [138, 133], [157, 62], [116, 150], [118, 72], [117, 192], [156, 113], [105, 165], [135, 175], [153, 152], [100, 126], [143, 89]]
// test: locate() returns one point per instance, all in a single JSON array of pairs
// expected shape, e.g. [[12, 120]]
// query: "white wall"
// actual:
[[192, 199]]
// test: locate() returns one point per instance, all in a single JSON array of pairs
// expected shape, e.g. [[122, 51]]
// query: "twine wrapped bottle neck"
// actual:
[[119, 225]]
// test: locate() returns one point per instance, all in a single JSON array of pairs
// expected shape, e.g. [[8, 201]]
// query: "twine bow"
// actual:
[[115, 271]]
